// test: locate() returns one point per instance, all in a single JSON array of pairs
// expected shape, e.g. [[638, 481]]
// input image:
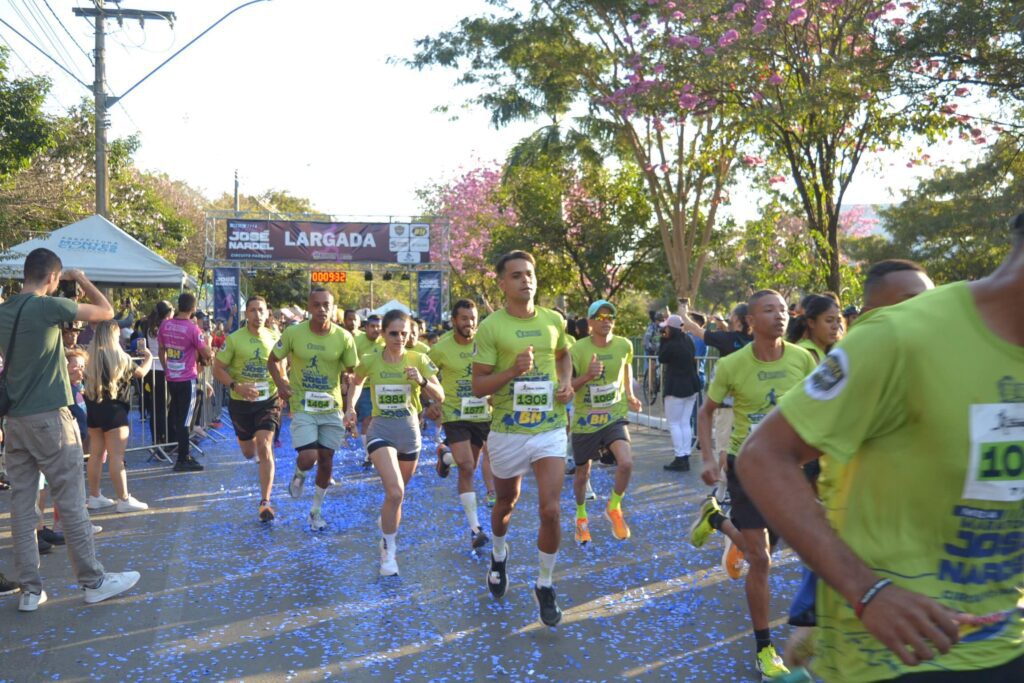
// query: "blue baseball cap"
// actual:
[[598, 305]]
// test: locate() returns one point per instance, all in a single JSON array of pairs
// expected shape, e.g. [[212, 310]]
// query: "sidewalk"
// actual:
[[225, 598]]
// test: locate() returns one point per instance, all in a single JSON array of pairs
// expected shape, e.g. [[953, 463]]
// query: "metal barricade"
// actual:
[[648, 386]]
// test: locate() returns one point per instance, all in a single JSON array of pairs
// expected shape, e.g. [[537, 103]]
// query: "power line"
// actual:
[[46, 54], [50, 34], [72, 37], [30, 70]]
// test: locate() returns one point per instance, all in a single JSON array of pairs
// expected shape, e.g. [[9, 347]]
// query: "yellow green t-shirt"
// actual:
[[527, 404], [923, 406], [315, 365], [455, 361], [601, 401], [421, 347], [365, 346], [393, 394], [756, 386], [245, 354], [816, 351]]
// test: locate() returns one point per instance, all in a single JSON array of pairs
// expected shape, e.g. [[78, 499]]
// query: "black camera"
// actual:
[[68, 289]]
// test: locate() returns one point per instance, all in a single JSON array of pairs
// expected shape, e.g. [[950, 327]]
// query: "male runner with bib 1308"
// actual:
[[318, 352], [255, 412], [522, 361]]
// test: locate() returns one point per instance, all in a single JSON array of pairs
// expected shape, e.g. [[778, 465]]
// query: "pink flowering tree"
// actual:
[[469, 211]]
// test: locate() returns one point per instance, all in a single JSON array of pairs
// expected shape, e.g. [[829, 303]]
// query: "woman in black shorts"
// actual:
[[108, 382]]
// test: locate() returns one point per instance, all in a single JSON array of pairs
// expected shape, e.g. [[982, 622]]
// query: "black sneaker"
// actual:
[[550, 614], [679, 464], [51, 536], [497, 577], [4, 484], [44, 547], [8, 587], [189, 465], [442, 468], [478, 539]]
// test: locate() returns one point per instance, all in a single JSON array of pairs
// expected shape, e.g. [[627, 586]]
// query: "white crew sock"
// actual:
[[498, 548], [547, 568], [318, 498], [390, 544], [468, 501], [448, 459]]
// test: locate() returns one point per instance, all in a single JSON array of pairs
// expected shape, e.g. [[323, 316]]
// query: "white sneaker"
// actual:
[[98, 502], [129, 504], [316, 521], [388, 565], [590, 492], [30, 602], [297, 483], [113, 584], [96, 528]]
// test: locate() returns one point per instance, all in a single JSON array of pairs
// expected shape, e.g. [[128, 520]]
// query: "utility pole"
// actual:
[[236, 190], [102, 101]]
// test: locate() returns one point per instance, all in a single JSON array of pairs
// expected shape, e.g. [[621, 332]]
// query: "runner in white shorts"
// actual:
[[522, 361], [318, 352]]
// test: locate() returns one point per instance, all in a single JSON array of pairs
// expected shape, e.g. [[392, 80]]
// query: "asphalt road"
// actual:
[[223, 597]]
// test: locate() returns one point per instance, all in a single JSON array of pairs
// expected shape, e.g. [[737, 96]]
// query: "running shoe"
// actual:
[[297, 483], [570, 466], [701, 528], [582, 531], [98, 502], [491, 499], [189, 464], [266, 513], [4, 484], [50, 536], [769, 664], [8, 587], [590, 495], [316, 521], [130, 504], [96, 528], [113, 584], [550, 614], [620, 530], [478, 539], [732, 559], [388, 565], [44, 547], [30, 601], [442, 467], [497, 576]]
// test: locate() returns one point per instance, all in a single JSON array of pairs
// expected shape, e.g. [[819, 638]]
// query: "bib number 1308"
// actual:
[[996, 470]]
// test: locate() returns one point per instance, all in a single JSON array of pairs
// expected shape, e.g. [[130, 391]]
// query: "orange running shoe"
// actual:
[[732, 559], [582, 531], [620, 530]]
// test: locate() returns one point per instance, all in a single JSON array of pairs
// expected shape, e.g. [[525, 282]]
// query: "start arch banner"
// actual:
[[315, 242]]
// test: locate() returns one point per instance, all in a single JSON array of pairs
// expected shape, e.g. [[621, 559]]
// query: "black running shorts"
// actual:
[[249, 417], [744, 514], [587, 447], [106, 415], [458, 431]]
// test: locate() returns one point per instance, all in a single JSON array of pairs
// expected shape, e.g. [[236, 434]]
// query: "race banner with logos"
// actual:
[[430, 296], [310, 242], [227, 295]]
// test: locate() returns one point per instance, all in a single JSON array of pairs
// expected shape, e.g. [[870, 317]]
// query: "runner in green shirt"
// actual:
[[254, 406], [522, 361], [756, 377], [818, 328], [370, 340], [921, 550], [604, 394], [394, 377], [318, 353], [466, 419]]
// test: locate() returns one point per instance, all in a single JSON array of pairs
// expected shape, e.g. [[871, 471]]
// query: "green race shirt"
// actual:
[[602, 401], [756, 386], [37, 380], [315, 366], [527, 404], [813, 348], [246, 355], [455, 361], [929, 436], [421, 347], [364, 345], [392, 393]]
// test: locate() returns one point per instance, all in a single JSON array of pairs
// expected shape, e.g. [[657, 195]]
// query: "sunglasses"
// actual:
[[393, 333], [604, 316]]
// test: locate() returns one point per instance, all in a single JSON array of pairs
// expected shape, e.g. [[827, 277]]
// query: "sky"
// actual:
[[299, 95]]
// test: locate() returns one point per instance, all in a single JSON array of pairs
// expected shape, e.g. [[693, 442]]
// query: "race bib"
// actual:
[[176, 366], [473, 407], [392, 396], [603, 396], [533, 397], [996, 462], [262, 390], [318, 402]]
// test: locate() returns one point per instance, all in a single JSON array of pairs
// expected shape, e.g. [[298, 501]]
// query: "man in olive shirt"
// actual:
[[42, 435]]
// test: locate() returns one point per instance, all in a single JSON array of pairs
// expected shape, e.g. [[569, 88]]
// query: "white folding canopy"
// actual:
[[391, 305], [107, 254]]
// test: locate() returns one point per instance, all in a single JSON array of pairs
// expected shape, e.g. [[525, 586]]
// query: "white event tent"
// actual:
[[391, 305], [107, 254]]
